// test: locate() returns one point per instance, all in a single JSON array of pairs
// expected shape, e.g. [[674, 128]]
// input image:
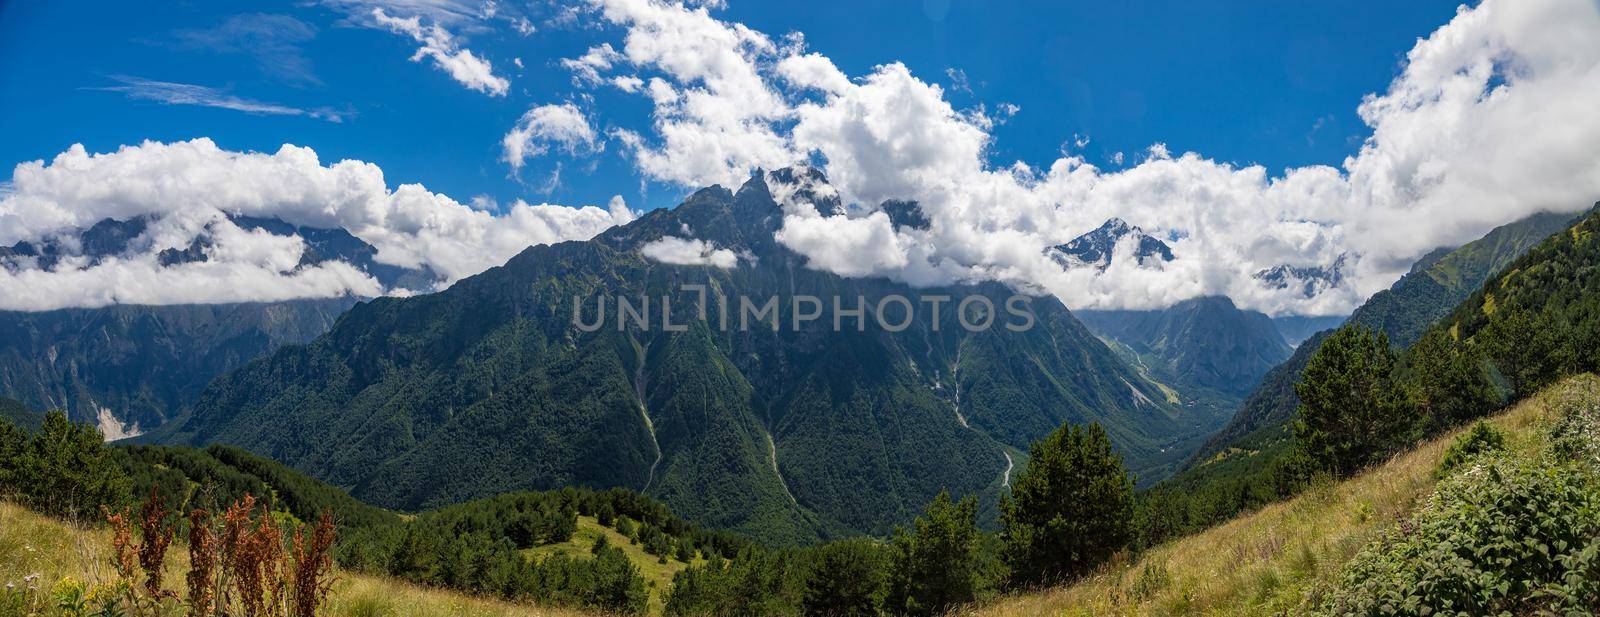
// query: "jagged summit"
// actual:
[[1310, 280], [122, 239], [1094, 249]]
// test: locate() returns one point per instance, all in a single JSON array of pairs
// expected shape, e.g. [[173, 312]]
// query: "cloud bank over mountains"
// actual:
[[1489, 119], [192, 188]]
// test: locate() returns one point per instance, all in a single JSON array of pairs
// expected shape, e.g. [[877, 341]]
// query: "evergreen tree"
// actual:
[[1069, 510], [1451, 385], [935, 563], [12, 444], [1526, 349], [1352, 409], [846, 579], [619, 588], [66, 470]]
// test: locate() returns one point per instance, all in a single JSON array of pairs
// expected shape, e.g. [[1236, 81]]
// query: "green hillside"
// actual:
[[788, 436], [1435, 285], [1316, 553]]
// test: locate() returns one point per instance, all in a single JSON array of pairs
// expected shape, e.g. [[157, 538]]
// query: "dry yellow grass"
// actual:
[[49, 550], [1264, 563]]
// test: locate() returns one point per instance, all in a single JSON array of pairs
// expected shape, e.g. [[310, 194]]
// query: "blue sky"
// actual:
[[1340, 138], [1275, 83]]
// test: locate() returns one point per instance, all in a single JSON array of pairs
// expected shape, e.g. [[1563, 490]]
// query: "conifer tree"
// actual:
[[935, 562], [1069, 510], [1352, 409]]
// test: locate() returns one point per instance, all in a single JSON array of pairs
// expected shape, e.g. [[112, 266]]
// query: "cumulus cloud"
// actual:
[[194, 187], [545, 126], [688, 252], [1489, 121], [471, 70], [715, 121]]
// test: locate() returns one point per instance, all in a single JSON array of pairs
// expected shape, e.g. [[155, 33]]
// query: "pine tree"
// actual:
[[12, 444], [67, 470], [846, 579], [1452, 386], [1069, 510], [935, 563], [619, 588], [1352, 409]]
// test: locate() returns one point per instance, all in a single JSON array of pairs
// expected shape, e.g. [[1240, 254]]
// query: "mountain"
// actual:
[[1309, 280], [1094, 249], [1433, 287], [129, 368], [18, 414], [1297, 328], [785, 433], [1205, 342]]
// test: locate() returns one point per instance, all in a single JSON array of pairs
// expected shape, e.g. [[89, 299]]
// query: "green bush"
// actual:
[[1504, 536], [1482, 438]]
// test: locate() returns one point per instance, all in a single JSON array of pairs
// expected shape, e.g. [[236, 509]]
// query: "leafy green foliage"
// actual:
[[754, 582], [1449, 382], [1069, 510], [1353, 410], [1503, 536], [1481, 439]]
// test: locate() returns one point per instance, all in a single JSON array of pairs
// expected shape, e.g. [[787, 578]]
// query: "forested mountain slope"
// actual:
[[1206, 342], [1433, 288], [128, 368], [787, 435]]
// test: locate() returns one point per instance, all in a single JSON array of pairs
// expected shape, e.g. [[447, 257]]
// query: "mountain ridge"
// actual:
[[478, 384]]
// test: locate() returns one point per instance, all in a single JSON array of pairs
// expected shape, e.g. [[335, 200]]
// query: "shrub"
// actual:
[[1502, 536], [1482, 438]]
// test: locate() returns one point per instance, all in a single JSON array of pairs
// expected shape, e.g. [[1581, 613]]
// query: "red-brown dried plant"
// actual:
[[267, 549], [123, 556], [312, 564], [155, 536], [234, 528], [202, 563]]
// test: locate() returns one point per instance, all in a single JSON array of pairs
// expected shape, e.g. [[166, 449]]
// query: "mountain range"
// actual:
[[129, 368], [786, 435]]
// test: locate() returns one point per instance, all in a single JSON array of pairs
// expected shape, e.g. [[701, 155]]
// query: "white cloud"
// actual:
[[171, 93], [544, 126], [587, 68], [688, 252], [627, 83], [190, 186], [858, 247], [461, 64], [713, 123], [813, 70], [1489, 121]]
